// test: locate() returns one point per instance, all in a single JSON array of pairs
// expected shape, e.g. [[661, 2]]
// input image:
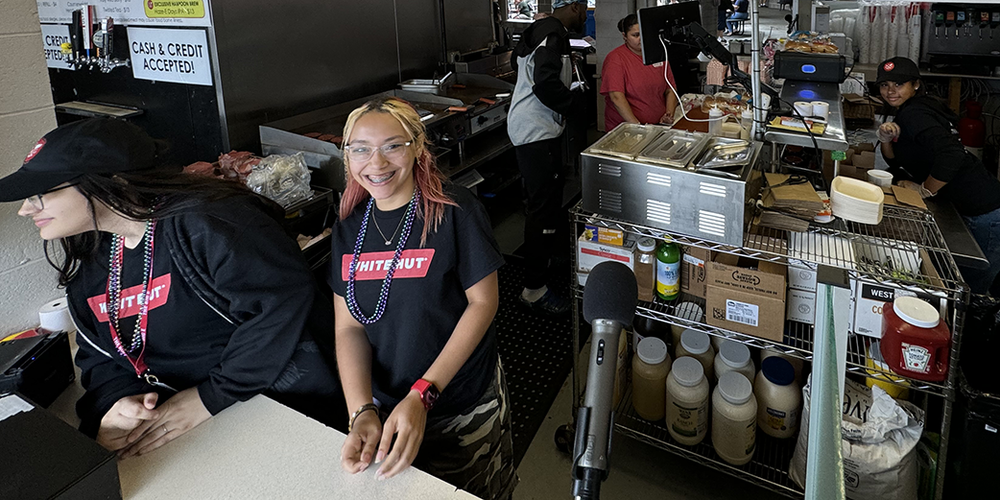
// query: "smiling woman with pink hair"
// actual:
[[416, 346]]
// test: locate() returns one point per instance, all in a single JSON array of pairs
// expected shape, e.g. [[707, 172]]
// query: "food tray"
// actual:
[[626, 140], [722, 152], [674, 148]]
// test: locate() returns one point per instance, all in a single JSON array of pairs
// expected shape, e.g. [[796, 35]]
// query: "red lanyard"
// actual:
[[139, 362]]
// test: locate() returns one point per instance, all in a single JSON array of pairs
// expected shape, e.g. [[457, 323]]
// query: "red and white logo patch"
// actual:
[[35, 150], [375, 265], [888, 66]]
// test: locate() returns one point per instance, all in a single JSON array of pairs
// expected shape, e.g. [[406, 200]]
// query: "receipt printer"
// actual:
[[40, 367], [44, 457], [810, 67]]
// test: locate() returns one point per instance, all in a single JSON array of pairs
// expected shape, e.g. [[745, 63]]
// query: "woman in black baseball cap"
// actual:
[[187, 293], [922, 147]]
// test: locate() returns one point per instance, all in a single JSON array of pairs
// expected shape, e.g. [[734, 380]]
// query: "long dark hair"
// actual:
[[144, 195]]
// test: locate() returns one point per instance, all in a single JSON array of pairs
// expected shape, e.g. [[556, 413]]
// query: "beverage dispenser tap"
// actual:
[[938, 22], [959, 22], [984, 21], [949, 21], [994, 22], [104, 39]]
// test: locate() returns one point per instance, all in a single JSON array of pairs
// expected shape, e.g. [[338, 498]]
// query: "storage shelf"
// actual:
[[768, 468], [916, 228], [797, 342]]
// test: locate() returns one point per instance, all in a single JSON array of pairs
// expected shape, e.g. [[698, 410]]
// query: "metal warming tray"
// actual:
[[626, 140], [724, 153], [674, 148], [710, 204]]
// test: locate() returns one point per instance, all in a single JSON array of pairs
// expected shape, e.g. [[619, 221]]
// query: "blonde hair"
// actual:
[[426, 175]]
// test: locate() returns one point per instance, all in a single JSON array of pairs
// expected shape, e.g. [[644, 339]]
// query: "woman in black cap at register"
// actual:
[[187, 294], [922, 147]]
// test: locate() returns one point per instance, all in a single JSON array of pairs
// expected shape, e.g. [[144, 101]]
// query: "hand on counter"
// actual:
[[123, 418], [361, 443], [179, 414], [408, 420]]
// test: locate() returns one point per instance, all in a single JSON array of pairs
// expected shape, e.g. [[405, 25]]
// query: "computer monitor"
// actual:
[[663, 19]]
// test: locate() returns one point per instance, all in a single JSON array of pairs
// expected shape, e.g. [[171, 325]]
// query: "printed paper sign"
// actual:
[[130, 12], [170, 55], [53, 36], [174, 8]]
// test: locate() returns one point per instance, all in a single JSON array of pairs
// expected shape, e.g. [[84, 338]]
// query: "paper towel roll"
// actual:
[[55, 316], [804, 108]]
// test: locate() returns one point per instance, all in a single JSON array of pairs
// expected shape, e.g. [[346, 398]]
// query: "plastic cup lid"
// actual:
[[687, 371], [695, 342], [734, 354], [652, 350], [916, 312], [735, 388], [647, 244], [779, 371], [715, 112], [689, 311]]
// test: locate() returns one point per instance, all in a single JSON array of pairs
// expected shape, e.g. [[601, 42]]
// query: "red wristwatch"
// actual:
[[428, 393]]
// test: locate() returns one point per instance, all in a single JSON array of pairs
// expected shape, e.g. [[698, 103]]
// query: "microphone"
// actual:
[[608, 304]]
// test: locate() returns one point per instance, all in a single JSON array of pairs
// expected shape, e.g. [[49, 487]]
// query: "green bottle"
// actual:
[[668, 270]]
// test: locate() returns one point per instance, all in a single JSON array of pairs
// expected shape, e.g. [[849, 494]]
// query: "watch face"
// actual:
[[430, 396]]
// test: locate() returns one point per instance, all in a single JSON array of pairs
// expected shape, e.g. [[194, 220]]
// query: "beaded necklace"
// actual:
[[114, 288], [352, 301]]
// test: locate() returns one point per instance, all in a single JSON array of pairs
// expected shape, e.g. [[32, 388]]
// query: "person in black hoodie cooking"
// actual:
[[542, 101], [187, 294], [922, 148]]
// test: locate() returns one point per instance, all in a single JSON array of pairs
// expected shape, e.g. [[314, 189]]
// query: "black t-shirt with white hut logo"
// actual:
[[426, 299]]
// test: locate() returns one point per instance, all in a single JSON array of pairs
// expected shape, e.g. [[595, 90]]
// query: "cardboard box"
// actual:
[[590, 254], [745, 300], [735, 273], [801, 306], [745, 312], [604, 235], [694, 276], [801, 277], [870, 298]]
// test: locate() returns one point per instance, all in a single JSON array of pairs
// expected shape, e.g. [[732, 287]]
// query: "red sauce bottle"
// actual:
[[915, 342]]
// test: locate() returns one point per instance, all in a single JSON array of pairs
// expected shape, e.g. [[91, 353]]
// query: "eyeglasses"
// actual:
[[36, 201], [389, 151]]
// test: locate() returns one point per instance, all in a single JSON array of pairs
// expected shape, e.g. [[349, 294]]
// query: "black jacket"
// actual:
[[549, 88], [238, 260], [928, 145]]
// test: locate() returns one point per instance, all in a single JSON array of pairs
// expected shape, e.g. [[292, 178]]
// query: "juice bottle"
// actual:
[[668, 270]]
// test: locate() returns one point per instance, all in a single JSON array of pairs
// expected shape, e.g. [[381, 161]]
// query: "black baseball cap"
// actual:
[[897, 69], [91, 146]]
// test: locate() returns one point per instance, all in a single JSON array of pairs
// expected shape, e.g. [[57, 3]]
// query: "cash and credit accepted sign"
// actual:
[[170, 55]]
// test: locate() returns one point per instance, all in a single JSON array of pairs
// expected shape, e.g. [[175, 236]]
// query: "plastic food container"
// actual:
[[915, 343]]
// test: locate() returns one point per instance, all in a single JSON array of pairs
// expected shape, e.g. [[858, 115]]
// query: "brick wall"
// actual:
[[26, 280]]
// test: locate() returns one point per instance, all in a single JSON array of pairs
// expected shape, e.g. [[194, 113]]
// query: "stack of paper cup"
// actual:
[[821, 109], [55, 317]]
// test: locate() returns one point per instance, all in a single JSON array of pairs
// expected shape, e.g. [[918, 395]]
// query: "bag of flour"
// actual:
[[879, 435]]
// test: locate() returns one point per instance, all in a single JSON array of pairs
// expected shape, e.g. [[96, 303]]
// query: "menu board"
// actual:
[[131, 12]]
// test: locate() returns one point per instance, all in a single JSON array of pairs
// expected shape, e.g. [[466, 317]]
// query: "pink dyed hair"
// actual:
[[427, 176]]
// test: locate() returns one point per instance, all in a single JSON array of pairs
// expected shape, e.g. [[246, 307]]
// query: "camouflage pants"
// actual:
[[474, 451]]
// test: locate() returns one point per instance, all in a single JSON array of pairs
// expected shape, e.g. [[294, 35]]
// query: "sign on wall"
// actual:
[[53, 36], [170, 55], [130, 12]]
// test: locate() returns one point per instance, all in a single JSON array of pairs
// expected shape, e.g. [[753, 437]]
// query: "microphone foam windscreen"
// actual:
[[611, 293]]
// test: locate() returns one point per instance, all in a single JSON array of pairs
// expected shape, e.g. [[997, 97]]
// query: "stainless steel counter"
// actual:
[[834, 137], [961, 244]]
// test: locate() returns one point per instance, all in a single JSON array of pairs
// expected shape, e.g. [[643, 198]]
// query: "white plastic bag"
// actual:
[[879, 435]]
